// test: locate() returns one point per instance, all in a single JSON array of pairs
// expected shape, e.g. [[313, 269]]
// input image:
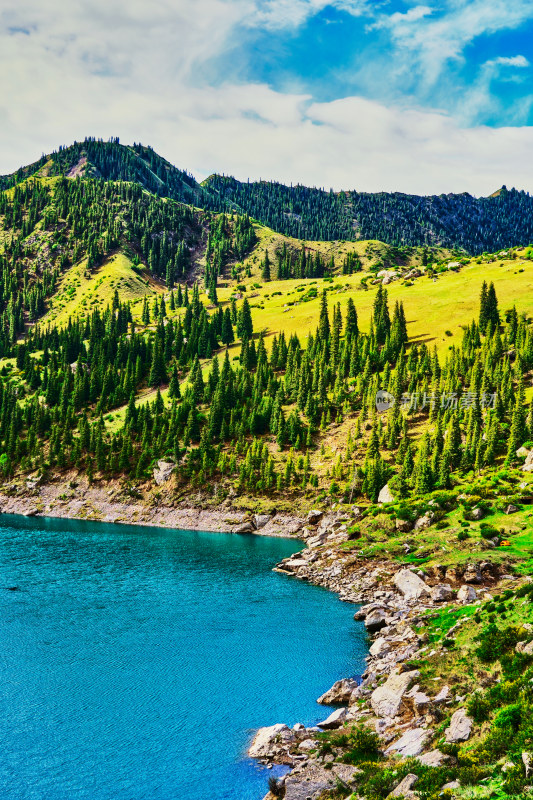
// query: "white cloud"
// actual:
[[398, 20], [133, 69], [428, 43], [508, 61], [276, 14]]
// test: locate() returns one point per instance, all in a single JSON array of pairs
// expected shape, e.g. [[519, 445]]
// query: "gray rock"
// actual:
[[308, 783], [386, 700], [460, 727], [265, 739], [442, 696], [163, 471], [314, 516], [433, 759], [523, 452], [404, 525], [525, 647], [410, 585], [466, 595], [425, 521], [404, 786], [441, 593], [511, 509], [451, 785], [477, 513], [411, 744], [379, 647], [334, 720], [385, 495], [472, 574], [375, 621], [260, 520], [246, 527], [340, 692], [527, 762]]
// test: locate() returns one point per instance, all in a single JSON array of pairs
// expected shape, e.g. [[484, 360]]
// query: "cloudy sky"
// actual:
[[371, 95]]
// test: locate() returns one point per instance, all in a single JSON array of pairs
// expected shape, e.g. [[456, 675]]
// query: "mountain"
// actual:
[[472, 224], [456, 221]]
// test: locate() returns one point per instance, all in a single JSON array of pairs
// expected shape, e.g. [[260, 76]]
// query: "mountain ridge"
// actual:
[[455, 220]]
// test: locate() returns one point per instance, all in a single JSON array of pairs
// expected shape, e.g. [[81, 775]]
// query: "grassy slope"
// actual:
[[80, 292], [432, 306]]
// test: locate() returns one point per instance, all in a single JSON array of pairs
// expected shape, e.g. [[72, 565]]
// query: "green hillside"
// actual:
[[455, 221]]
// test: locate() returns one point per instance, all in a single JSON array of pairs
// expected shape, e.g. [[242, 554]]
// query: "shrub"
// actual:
[[495, 642], [462, 535], [478, 707], [276, 787], [363, 744]]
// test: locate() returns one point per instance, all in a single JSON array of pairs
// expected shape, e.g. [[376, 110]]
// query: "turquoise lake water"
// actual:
[[137, 662]]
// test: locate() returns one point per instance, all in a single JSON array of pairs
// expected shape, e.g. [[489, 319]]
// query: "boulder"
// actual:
[[163, 471], [522, 452], [527, 762], [246, 527], [466, 594], [340, 692], [442, 696], [314, 516], [260, 520], [404, 525], [386, 700], [404, 786], [410, 585], [441, 593], [525, 647], [472, 574], [510, 509], [433, 759], [451, 785], [410, 744], [379, 647], [375, 620], [425, 521], [477, 513], [419, 700], [334, 720], [460, 727], [385, 495], [265, 739]]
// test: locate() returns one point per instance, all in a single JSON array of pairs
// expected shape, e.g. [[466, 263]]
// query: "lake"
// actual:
[[137, 662]]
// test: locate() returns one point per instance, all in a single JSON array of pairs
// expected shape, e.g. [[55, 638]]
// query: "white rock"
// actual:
[[460, 727], [163, 471], [340, 692], [265, 738], [527, 761], [525, 647], [334, 720], [432, 759], [410, 585], [385, 495], [379, 647], [386, 700], [260, 520], [442, 696], [404, 786], [410, 744], [425, 521], [441, 593], [466, 594]]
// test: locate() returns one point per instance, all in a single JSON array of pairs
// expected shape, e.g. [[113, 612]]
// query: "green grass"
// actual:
[[80, 292]]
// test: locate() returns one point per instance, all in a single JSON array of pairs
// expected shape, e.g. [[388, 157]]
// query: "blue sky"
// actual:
[[423, 97]]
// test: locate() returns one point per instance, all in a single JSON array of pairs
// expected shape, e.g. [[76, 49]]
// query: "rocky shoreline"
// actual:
[[75, 498], [387, 699]]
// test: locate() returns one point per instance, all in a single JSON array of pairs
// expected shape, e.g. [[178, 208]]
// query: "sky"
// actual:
[[374, 95]]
